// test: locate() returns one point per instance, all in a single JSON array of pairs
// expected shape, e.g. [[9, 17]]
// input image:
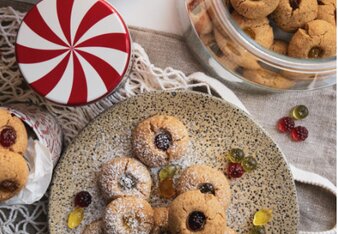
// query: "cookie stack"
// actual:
[[204, 196], [304, 29], [13, 143], [126, 184]]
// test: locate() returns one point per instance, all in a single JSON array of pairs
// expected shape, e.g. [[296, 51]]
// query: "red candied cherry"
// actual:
[[299, 133], [235, 170], [83, 199], [285, 124]]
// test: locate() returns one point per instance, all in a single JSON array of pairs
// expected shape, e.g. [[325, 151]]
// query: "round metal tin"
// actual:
[[73, 52]]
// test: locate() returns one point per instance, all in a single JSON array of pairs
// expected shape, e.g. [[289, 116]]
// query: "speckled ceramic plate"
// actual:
[[215, 126]]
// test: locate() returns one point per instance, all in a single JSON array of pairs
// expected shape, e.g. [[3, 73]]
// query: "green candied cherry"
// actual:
[[235, 155], [258, 230], [299, 112], [249, 164], [167, 172]]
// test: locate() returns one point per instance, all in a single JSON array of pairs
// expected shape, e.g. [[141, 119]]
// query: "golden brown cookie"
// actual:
[[268, 78], [226, 63], [258, 29], [4, 116], [95, 227], [327, 11], [293, 14], [254, 9], [208, 39], [124, 177], [212, 12], [13, 174], [280, 47], [199, 16], [299, 76], [160, 220], [234, 53], [13, 134], [207, 180], [210, 42], [160, 140], [128, 215], [316, 40], [196, 212]]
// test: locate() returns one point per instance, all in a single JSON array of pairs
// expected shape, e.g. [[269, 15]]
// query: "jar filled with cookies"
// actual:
[[272, 45]]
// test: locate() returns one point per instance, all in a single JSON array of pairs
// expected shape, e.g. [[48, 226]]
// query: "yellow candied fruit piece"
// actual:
[[167, 189], [262, 217], [75, 217]]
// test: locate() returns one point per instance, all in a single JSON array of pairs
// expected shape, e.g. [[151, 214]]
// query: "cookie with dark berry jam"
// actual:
[[194, 211], [13, 174], [159, 140], [13, 134], [207, 180]]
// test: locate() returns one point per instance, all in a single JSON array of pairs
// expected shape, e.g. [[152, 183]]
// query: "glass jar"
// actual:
[[208, 25]]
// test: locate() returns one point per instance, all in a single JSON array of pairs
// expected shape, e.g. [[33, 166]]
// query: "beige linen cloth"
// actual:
[[316, 154]]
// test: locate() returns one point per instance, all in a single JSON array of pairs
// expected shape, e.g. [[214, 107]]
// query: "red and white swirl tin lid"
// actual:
[[73, 52]]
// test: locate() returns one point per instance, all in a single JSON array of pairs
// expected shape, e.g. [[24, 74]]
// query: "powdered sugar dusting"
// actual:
[[124, 176], [127, 181]]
